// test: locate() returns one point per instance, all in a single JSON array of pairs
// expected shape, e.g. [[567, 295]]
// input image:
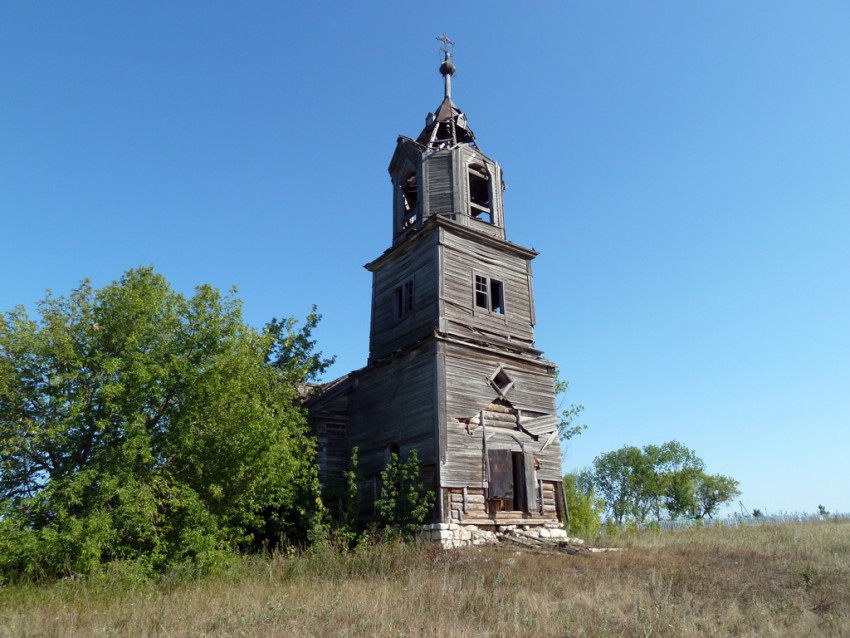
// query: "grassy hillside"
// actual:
[[789, 580]]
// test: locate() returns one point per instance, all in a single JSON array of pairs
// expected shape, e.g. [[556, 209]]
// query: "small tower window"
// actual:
[[490, 294], [480, 203], [409, 201], [403, 300]]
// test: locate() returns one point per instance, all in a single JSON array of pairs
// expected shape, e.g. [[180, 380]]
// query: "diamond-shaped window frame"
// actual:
[[501, 381]]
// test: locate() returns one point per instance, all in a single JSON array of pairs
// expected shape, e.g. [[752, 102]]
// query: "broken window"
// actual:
[[409, 201], [403, 300], [501, 381], [489, 294], [480, 204]]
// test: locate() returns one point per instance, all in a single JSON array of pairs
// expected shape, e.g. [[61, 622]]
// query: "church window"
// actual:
[[403, 300], [480, 203], [501, 381], [489, 294], [410, 201]]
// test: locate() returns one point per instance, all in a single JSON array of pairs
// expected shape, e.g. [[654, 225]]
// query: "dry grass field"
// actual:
[[773, 580]]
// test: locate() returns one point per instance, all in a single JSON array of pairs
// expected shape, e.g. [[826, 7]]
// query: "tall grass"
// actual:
[[788, 580]]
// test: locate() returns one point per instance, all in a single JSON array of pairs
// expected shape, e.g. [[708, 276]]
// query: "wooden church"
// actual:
[[453, 371]]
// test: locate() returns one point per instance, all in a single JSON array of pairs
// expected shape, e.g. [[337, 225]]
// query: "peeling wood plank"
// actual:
[[549, 440]]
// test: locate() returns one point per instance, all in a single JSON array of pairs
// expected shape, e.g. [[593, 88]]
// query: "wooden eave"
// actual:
[[441, 221], [509, 349], [322, 393], [405, 147]]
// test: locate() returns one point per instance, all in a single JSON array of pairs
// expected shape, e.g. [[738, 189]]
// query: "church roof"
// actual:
[[447, 126]]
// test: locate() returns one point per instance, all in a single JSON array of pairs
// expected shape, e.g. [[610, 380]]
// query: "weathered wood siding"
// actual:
[[332, 452], [395, 403], [468, 391], [329, 417], [417, 260], [461, 258], [439, 182]]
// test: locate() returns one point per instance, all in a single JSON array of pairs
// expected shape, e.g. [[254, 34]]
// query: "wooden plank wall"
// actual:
[[332, 452], [417, 259], [462, 258], [330, 421], [438, 182], [395, 403], [468, 391]]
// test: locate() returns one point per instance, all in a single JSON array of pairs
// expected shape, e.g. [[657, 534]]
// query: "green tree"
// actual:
[[636, 483], [403, 504], [680, 468], [293, 350], [139, 424], [567, 426], [618, 478], [712, 491], [584, 507]]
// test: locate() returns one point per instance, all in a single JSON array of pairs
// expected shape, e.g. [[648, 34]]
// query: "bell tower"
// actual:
[[444, 173], [453, 370]]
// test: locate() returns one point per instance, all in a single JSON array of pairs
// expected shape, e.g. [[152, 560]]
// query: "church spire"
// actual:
[[447, 126], [443, 173], [447, 68]]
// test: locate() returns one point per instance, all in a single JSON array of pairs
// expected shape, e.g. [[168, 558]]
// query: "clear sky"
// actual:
[[683, 169]]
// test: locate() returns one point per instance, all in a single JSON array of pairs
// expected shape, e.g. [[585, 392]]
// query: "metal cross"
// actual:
[[446, 42]]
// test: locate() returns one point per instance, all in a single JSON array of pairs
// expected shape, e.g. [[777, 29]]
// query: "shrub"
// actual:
[[403, 505]]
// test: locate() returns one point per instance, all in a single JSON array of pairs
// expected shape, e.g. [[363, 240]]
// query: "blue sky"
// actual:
[[683, 169]]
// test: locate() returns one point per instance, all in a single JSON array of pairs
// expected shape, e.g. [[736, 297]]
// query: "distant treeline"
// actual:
[[741, 521]]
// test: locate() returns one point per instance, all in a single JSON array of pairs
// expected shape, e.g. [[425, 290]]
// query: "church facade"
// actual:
[[453, 371]]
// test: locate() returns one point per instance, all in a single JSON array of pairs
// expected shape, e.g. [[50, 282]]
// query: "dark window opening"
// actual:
[[444, 132], [410, 201], [490, 294], [497, 297], [403, 300], [482, 292], [519, 481], [480, 205], [501, 381], [392, 449]]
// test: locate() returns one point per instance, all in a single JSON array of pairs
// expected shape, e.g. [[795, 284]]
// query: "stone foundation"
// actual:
[[449, 535]]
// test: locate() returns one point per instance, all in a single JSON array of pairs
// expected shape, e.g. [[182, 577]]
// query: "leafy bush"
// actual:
[[583, 506], [403, 505], [140, 425]]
